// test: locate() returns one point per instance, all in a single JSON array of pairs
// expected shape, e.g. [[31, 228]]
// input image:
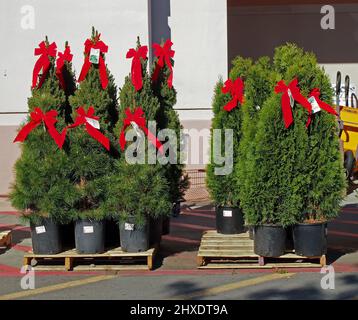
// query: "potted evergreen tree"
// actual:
[[324, 172], [168, 118], [42, 190], [144, 194], [227, 115], [91, 153]]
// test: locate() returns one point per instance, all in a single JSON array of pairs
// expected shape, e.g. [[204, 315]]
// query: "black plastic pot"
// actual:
[[46, 237], [310, 239], [166, 226], [90, 236], [155, 230], [289, 239], [270, 241], [112, 238], [68, 235], [229, 220], [133, 237]]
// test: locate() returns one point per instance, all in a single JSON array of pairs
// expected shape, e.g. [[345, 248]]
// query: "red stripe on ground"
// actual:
[[178, 239], [344, 234], [195, 214], [10, 213], [21, 248], [189, 226], [14, 227], [345, 221], [4, 267]]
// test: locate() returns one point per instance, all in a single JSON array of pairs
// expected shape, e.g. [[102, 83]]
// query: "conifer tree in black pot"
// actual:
[[138, 106], [42, 189], [222, 182], [168, 118], [325, 182], [91, 139]]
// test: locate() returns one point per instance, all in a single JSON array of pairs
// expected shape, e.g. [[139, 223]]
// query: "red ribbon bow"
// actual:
[[62, 57], [164, 55], [103, 48], [36, 117], [92, 131], [136, 68], [285, 100], [138, 118], [43, 62], [323, 105], [236, 89]]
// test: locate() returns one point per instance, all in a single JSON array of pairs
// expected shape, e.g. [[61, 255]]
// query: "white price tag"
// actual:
[[128, 226], [88, 229], [292, 101], [93, 122], [40, 229], [94, 56], [227, 213], [314, 104]]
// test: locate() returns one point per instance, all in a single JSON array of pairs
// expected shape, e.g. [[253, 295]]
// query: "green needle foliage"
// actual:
[[295, 174], [42, 187], [223, 188], [90, 163], [168, 118], [143, 188]]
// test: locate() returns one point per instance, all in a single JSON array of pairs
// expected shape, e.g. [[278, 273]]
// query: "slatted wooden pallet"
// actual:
[[112, 260], [219, 251], [5, 239]]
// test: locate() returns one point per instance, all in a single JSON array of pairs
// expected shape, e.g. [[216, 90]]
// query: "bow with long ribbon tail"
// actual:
[[236, 89], [138, 118], [60, 63], [103, 48], [292, 88], [315, 93], [164, 54], [43, 62], [36, 118], [136, 68], [85, 118]]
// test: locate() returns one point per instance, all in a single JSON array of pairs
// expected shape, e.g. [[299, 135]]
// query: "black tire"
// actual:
[[349, 163]]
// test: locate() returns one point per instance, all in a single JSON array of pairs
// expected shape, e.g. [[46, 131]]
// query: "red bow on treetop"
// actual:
[[285, 100], [84, 118], [62, 57], [43, 62], [164, 55], [236, 89], [136, 68], [138, 118], [49, 119], [103, 48]]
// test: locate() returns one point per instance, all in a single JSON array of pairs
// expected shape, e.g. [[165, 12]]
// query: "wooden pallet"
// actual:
[[5, 239], [219, 251], [112, 260]]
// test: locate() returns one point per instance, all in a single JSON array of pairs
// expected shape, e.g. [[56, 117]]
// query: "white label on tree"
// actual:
[[40, 229], [88, 229], [94, 56], [93, 122], [292, 101], [227, 213], [128, 226], [314, 104]]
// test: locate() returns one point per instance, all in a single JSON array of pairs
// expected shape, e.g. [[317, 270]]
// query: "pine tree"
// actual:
[[91, 164], [168, 118], [326, 183], [222, 188], [42, 187], [141, 174]]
